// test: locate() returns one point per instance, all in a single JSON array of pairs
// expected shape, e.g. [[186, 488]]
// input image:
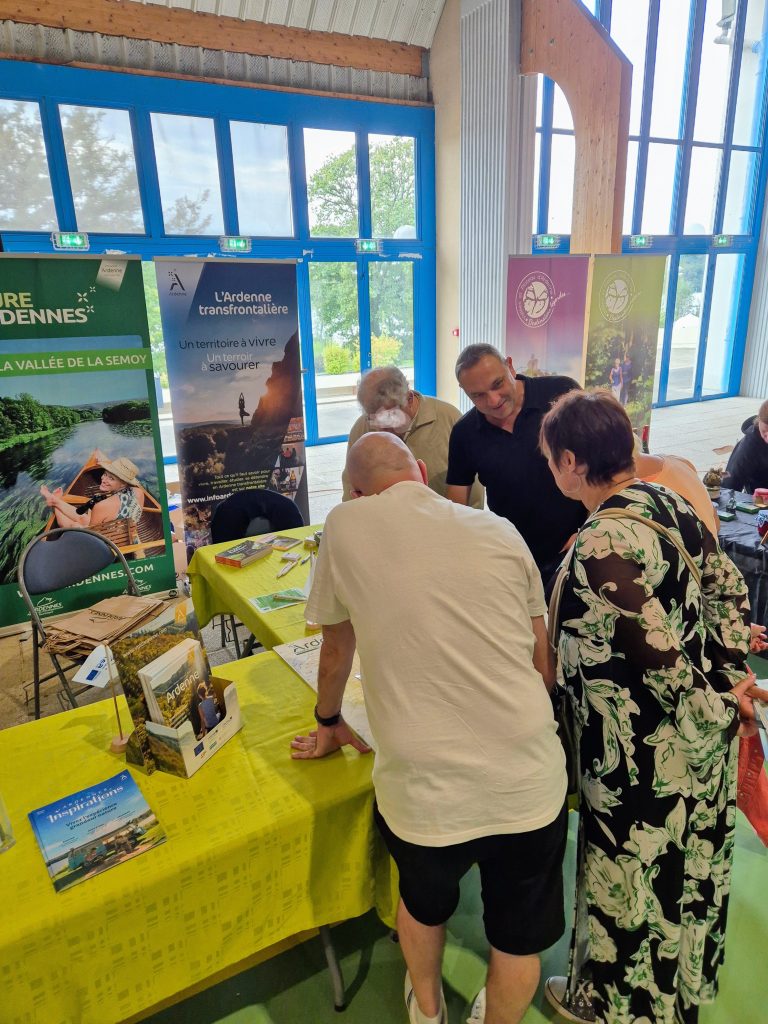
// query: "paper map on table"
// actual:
[[304, 658]]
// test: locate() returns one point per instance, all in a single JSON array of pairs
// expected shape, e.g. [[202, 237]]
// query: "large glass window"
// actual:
[[102, 169], [330, 158], [188, 172], [26, 196], [262, 178], [694, 170], [393, 186]]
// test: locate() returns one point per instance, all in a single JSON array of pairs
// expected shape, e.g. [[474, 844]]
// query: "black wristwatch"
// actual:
[[328, 722]]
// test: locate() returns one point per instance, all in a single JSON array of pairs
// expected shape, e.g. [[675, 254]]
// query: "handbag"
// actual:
[[566, 728]]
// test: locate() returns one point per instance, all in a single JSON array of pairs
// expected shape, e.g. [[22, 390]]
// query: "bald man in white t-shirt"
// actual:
[[446, 607]]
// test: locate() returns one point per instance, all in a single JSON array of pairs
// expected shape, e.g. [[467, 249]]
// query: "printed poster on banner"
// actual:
[[546, 304], [623, 335], [79, 435], [234, 368]]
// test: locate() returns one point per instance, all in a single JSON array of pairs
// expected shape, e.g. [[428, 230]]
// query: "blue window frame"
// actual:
[[696, 169], [205, 187]]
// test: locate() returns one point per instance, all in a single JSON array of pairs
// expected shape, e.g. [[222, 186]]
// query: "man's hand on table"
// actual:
[[758, 641], [322, 741]]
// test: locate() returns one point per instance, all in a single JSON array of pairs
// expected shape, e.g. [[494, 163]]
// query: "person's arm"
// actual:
[[543, 656], [104, 511], [458, 493], [335, 665]]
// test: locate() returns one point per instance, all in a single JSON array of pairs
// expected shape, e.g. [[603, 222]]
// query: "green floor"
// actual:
[[294, 988]]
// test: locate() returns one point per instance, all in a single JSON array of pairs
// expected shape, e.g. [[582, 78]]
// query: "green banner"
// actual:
[[623, 334], [79, 441], [19, 364]]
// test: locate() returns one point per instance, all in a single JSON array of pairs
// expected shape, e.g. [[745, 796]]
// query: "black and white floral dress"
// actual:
[[647, 657]]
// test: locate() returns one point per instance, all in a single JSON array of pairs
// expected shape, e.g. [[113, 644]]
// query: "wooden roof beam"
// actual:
[[188, 28]]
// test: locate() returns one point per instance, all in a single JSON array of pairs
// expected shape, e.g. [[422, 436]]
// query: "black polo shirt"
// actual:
[[518, 483]]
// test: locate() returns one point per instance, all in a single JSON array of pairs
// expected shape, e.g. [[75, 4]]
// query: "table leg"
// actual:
[[339, 996]]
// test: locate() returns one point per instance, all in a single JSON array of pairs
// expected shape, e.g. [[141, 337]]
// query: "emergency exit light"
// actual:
[[722, 241], [547, 241], [234, 243], [70, 241], [640, 241], [368, 245]]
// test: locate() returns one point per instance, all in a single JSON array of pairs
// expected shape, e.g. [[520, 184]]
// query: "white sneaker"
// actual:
[[414, 1013], [579, 1009], [477, 1013]]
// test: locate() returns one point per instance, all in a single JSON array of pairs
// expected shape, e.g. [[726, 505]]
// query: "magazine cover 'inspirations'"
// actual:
[[95, 829], [232, 349]]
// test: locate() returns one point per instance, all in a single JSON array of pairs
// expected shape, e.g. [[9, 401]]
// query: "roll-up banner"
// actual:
[[623, 331], [546, 304], [234, 369], [79, 436]]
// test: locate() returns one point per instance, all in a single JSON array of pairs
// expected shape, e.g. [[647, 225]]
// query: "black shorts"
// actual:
[[521, 877]]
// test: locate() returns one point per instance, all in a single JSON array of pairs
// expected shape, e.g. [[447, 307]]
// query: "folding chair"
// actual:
[[248, 514], [56, 559]]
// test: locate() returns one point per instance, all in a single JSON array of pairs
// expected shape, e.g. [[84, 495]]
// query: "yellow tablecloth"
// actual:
[[225, 590], [259, 848]]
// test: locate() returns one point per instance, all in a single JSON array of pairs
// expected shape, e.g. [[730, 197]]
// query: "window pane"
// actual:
[[561, 184], [26, 197], [391, 291], [262, 178], [722, 323], [662, 322], [102, 169], [659, 187], [713, 77], [331, 164], [336, 344], [629, 192], [702, 191], [746, 127], [188, 171], [539, 99], [561, 111], [536, 182], [686, 328], [629, 28], [669, 69], [738, 199], [393, 185]]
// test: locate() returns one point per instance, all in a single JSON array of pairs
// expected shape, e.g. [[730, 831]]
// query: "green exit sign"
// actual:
[[368, 245], [547, 241], [234, 243], [71, 241], [722, 241], [640, 241]]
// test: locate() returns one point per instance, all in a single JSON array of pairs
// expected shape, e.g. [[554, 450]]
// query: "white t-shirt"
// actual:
[[441, 598]]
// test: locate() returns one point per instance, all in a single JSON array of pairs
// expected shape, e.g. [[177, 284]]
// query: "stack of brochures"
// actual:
[[243, 553], [173, 682]]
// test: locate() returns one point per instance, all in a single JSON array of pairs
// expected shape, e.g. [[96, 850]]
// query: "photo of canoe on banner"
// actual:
[[79, 434]]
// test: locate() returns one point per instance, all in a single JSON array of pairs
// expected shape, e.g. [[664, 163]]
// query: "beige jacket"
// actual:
[[428, 440]]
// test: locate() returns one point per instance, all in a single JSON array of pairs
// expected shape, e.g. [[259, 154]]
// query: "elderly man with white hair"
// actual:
[[423, 423]]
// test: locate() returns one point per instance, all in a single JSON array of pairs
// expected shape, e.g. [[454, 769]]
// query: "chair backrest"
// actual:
[[63, 557], [249, 513]]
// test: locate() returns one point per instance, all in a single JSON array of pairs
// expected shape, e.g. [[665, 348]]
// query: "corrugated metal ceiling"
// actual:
[[402, 21]]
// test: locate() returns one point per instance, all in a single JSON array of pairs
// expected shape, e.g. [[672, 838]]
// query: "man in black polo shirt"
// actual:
[[498, 441]]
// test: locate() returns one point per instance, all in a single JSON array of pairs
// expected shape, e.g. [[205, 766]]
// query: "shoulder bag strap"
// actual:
[[553, 609], [625, 513]]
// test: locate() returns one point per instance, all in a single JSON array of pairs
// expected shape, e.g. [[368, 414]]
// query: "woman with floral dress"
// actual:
[[652, 650]]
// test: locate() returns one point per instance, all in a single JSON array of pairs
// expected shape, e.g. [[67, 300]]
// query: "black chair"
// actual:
[[248, 514], [61, 558]]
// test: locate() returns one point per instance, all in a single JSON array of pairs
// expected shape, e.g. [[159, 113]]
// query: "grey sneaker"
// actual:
[[577, 1009], [415, 1016]]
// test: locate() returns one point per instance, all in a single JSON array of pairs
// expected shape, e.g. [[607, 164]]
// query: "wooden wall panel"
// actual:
[[188, 28], [561, 40]]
